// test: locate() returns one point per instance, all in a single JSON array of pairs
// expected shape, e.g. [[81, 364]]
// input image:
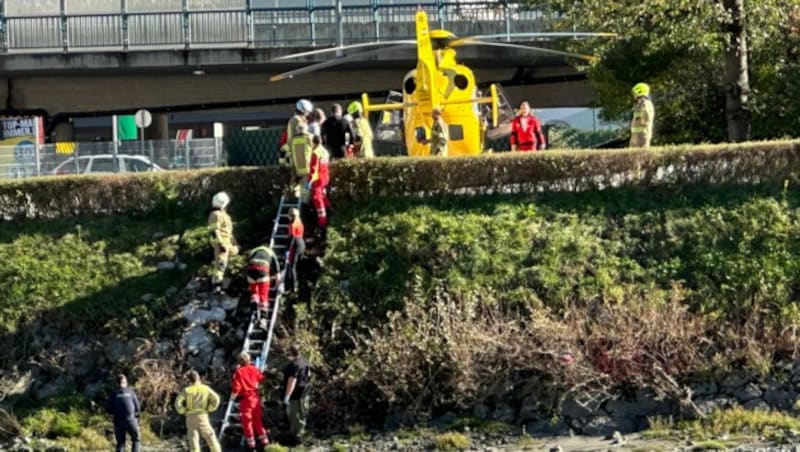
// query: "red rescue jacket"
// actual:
[[526, 133], [246, 380], [319, 166]]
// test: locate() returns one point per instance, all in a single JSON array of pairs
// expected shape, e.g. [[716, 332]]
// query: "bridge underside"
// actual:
[[63, 86]]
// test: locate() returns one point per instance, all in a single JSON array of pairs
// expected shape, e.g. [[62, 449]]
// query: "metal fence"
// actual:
[[31, 26], [102, 157]]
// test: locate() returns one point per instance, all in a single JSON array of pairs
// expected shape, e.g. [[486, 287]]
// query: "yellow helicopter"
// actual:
[[438, 82]]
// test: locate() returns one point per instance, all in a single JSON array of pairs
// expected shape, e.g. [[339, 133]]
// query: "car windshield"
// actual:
[[137, 166]]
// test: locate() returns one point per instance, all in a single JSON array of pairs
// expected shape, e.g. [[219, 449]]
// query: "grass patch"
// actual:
[[276, 448], [451, 441], [477, 425], [713, 445], [736, 423]]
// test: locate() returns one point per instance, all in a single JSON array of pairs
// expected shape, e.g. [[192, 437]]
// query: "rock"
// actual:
[[229, 303], [171, 292], [182, 266], [747, 393], [734, 381], [93, 390], [218, 360], [399, 418], [147, 298], [198, 341], [547, 428], [573, 410], [705, 389], [193, 285], [196, 316], [158, 236], [166, 266], [504, 413], [444, 420], [709, 405], [756, 404], [137, 346], [114, 350], [481, 411], [52, 388], [556, 449], [779, 399], [56, 449]]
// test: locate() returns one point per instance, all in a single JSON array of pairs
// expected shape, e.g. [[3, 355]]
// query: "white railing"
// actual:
[[38, 26]]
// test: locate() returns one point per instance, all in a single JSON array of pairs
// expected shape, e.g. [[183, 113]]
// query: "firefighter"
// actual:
[[222, 241], [526, 131], [195, 402], [439, 134], [302, 109], [362, 130], [318, 180], [259, 270], [300, 147], [298, 245], [124, 406], [643, 116], [245, 386]]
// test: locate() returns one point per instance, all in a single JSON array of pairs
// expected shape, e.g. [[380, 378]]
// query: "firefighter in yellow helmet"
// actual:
[[221, 227], [643, 116], [361, 129], [195, 402]]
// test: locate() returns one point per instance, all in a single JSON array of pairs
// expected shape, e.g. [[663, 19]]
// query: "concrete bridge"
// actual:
[[79, 57]]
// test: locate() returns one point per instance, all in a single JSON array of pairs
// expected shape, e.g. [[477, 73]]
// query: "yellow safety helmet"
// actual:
[[641, 89], [355, 107]]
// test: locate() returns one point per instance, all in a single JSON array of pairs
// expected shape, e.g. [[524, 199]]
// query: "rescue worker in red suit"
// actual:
[[318, 180], [526, 131], [245, 386]]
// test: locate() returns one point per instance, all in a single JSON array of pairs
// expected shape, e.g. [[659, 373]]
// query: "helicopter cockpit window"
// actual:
[[456, 132], [461, 81], [410, 85]]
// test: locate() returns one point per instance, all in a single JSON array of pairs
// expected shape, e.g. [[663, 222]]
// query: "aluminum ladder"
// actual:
[[258, 340]]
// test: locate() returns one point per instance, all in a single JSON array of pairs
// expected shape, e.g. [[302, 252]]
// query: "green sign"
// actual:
[[126, 128]]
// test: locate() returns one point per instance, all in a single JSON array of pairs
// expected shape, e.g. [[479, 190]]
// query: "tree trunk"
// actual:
[[737, 81]]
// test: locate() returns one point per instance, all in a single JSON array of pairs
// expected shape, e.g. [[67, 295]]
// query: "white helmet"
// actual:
[[220, 200], [304, 106]]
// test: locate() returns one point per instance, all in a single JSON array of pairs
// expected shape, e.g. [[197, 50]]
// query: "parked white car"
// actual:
[[104, 164]]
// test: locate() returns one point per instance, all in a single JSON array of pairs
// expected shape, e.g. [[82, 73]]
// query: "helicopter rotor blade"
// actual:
[[365, 45], [333, 62], [548, 35], [465, 42]]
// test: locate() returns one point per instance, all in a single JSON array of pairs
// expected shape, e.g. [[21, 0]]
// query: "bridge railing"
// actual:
[[64, 27]]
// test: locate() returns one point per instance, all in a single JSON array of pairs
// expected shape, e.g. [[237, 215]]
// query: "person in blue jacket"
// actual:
[[123, 405]]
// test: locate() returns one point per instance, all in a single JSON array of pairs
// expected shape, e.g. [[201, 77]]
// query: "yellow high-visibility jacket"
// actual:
[[221, 227], [197, 399]]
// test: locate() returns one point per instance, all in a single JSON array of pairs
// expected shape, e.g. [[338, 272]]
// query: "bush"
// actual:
[[451, 441], [164, 192]]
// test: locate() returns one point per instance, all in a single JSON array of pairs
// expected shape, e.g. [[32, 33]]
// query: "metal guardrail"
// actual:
[[188, 24], [29, 160]]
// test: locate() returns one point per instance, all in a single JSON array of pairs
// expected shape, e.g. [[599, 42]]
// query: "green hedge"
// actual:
[[403, 176], [53, 197], [567, 170]]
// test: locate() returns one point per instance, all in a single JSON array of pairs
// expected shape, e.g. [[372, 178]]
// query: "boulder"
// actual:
[[197, 341], [734, 381], [147, 298], [756, 404], [547, 428], [747, 393], [166, 266], [218, 360], [780, 399], [229, 303], [114, 350], [705, 389], [15, 383], [504, 412], [171, 292], [52, 388], [196, 316]]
